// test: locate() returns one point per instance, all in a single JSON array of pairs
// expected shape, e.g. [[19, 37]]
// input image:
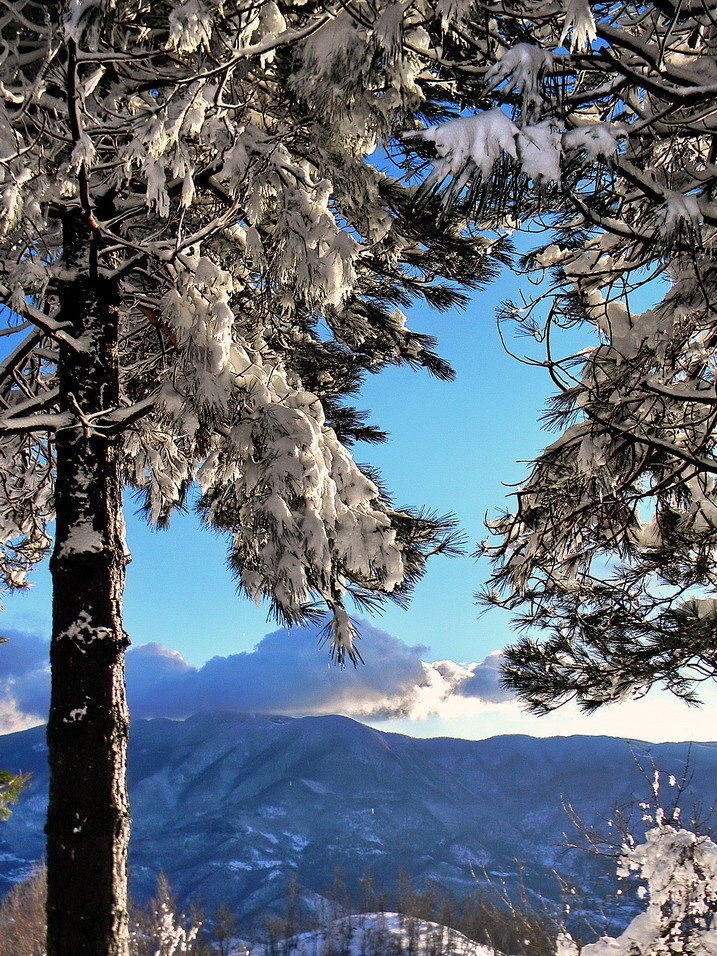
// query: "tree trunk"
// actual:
[[88, 817]]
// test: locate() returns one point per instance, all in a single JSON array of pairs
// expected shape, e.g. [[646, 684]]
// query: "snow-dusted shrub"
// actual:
[[679, 870], [156, 930], [159, 930]]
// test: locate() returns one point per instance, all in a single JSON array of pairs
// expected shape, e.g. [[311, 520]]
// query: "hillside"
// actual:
[[373, 934], [230, 805]]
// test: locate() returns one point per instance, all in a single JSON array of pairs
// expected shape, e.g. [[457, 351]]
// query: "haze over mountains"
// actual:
[[230, 805]]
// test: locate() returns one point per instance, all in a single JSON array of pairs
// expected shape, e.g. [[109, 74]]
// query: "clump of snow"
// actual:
[[549, 256], [452, 11], [580, 24], [190, 27], [596, 141], [522, 67], [82, 631], [83, 153], [11, 203], [648, 534], [681, 917], [540, 150], [680, 212], [388, 30], [471, 144], [82, 539], [77, 714]]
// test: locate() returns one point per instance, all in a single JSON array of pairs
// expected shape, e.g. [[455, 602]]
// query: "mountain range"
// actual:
[[229, 806]]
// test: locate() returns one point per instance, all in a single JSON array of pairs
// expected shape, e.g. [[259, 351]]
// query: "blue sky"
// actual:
[[453, 448]]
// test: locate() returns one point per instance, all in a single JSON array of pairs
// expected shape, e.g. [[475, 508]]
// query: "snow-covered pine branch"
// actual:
[[200, 260], [219, 161], [608, 553]]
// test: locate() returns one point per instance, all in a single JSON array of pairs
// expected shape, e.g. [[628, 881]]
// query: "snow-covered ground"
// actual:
[[372, 934]]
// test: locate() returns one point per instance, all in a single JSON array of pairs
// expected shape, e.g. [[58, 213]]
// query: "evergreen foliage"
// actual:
[[259, 261], [11, 786], [594, 123], [200, 262]]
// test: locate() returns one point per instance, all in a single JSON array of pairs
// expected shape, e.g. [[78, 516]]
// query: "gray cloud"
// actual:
[[287, 672], [24, 680], [23, 652], [485, 682]]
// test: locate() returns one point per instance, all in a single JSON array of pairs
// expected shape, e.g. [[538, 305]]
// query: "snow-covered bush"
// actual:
[[159, 930], [680, 870]]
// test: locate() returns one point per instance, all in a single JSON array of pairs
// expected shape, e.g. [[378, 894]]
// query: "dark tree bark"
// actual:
[[88, 816]]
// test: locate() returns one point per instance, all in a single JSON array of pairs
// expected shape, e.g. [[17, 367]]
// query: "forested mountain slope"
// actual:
[[229, 805]]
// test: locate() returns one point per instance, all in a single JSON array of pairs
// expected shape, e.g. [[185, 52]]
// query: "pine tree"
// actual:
[[199, 265], [594, 122], [224, 929], [11, 786]]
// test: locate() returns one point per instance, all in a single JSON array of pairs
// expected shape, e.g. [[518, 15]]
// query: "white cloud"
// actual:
[[24, 681], [287, 672], [12, 719], [448, 690]]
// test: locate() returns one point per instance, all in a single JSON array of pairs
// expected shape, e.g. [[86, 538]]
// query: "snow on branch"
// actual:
[[47, 323], [50, 422], [470, 148], [201, 173], [579, 25], [680, 870]]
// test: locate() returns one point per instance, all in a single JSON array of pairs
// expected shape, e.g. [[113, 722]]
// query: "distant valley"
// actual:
[[230, 806]]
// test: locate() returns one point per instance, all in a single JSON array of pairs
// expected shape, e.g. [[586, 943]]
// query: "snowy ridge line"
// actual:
[[366, 934]]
